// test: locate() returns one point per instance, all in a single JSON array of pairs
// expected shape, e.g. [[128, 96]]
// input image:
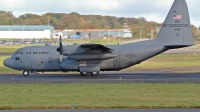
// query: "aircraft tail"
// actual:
[[176, 30]]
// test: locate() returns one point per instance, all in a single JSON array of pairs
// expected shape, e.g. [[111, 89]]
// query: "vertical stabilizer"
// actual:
[[176, 30]]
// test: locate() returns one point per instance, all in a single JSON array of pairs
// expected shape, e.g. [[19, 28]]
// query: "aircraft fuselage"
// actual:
[[46, 58]]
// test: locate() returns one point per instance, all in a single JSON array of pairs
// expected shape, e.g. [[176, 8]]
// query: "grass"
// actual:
[[62, 96], [8, 50], [166, 61]]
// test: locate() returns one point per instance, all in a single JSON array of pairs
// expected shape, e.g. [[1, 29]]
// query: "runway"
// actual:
[[114, 110], [114, 77]]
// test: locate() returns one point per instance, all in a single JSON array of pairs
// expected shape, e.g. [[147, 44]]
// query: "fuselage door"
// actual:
[[110, 63], [116, 63], [34, 65]]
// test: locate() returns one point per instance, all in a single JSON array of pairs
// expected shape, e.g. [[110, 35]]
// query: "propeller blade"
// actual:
[[60, 49], [61, 58]]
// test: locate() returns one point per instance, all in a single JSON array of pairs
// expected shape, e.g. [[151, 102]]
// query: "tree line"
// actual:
[[138, 26]]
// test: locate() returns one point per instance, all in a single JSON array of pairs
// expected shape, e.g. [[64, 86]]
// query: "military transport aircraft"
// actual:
[[93, 58]]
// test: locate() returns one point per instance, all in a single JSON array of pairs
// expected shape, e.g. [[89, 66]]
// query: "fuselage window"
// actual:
[[19, 52], [17, 58], [22, 51]]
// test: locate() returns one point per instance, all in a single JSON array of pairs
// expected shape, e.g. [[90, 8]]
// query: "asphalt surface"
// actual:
[[114, 77], [131, 110]]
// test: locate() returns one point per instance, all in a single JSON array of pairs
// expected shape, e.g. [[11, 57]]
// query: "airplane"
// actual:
[[91, 59]]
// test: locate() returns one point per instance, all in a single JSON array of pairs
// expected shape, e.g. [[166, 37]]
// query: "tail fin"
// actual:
[[176, 30]]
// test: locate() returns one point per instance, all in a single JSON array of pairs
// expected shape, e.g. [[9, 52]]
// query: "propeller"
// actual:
[[60, 49]]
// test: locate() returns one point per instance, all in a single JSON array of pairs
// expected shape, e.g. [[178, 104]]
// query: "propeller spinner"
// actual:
[[60, 49]]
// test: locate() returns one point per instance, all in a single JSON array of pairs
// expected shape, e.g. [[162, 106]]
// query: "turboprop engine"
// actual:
[[73, 65], [70, 65]]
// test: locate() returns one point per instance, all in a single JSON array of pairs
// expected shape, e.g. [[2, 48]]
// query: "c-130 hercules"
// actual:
[[93, 58]]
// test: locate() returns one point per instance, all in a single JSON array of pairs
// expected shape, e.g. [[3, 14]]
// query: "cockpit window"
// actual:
[[20, 52]]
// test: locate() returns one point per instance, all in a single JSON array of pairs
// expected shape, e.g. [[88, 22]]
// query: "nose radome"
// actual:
[[8, 62]]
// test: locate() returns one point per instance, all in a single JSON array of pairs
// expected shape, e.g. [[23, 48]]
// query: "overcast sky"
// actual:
[[152, 10]]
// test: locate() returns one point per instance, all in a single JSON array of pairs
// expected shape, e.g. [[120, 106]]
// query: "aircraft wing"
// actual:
[[87, 52], [91, 47], [95, 46]]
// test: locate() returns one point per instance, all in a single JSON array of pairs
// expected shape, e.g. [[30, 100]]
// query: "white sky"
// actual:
[[152, 10]]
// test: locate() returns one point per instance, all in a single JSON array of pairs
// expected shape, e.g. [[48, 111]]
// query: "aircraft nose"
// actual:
[[8, 62]]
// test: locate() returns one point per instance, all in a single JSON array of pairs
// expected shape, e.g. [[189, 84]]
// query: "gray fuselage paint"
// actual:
[[46, 58]]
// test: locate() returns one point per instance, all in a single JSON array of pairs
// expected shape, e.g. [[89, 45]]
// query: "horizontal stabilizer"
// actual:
[[176, 46]]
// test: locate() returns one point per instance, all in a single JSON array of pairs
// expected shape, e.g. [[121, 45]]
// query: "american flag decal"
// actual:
[[177, 17]]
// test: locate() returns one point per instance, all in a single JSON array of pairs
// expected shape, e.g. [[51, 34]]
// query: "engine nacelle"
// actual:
[[73, 65], [70, 65]]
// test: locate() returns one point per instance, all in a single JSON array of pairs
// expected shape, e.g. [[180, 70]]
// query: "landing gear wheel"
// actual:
[[94, 73], [84, 73], [26, 73]]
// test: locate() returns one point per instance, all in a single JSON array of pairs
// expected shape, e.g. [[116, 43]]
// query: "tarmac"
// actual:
[[112, 77]]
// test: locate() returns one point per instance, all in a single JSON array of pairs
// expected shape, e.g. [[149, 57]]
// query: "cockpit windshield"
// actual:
[[19, 52]]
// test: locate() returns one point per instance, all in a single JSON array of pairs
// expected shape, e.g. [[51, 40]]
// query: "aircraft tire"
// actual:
[[84, 73], [26, 73], [94, 73]]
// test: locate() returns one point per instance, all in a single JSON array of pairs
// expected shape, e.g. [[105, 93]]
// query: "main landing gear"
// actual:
[[89, 73], [26, 73]]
